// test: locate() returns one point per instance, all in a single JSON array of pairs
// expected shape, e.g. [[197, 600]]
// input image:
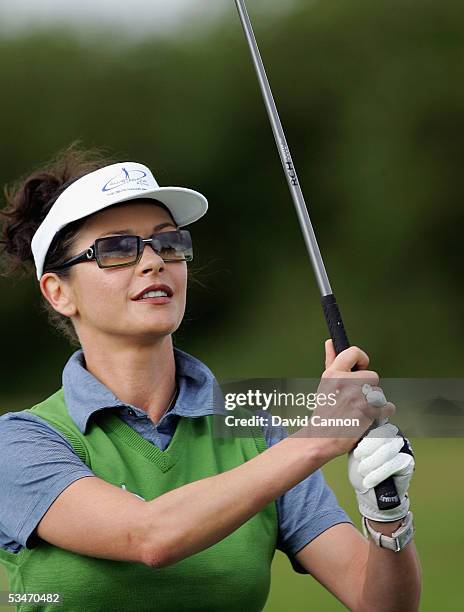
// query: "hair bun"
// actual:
[[39, 193], [29, 200]]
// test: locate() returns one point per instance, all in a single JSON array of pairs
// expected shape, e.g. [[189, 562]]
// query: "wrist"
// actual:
[[322, 451], [386, 528], [394, 541], [315, 450]]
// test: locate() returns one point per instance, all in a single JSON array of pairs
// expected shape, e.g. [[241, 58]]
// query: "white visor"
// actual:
[[110, 185]]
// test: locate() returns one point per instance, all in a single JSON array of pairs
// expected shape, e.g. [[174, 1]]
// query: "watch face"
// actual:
[[405, 537]]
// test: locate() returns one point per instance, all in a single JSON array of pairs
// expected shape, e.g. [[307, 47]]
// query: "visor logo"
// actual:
[[126, 178]]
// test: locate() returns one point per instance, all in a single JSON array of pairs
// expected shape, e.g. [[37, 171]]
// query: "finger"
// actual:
[[376, 399], [330, 353], [374, 440], [387, 411], [377, 414], [366, 377], [382, 455], [350, 357], [366, 447], [375, 388], [408, 466], [397, 464], [388, 430]]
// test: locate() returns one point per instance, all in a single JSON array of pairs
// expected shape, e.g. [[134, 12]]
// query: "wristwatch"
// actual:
[[398, 539]]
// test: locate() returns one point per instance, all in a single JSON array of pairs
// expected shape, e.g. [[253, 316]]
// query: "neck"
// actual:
[[141, 375]]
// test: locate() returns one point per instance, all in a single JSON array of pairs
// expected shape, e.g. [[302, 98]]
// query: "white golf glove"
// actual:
[[376, 458]]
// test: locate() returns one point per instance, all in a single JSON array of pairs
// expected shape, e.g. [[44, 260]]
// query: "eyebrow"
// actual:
[[131, 231]]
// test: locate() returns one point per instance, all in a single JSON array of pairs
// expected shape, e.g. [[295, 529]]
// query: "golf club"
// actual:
[[386, 494]]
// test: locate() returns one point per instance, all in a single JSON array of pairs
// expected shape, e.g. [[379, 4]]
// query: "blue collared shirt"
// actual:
[[37, 462]]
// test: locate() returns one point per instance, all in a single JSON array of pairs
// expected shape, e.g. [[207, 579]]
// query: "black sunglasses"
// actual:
[[126, 250]]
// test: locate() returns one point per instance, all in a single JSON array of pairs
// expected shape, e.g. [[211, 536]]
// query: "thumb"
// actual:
[[330, 353]]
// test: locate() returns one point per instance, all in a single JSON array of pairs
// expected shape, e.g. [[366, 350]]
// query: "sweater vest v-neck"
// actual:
[[231, 576]]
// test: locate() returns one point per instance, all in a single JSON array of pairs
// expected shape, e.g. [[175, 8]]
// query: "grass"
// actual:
[[436, 499]]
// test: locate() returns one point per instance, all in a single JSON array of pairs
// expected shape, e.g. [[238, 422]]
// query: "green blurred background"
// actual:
[[371, 96]]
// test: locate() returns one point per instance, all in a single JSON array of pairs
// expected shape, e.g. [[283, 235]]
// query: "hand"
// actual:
[[351, 403], [377, 457]]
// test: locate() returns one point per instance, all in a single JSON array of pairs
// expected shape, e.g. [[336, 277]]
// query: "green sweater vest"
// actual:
[[231, 576]]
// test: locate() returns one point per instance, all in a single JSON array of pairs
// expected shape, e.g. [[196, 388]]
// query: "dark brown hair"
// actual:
[[28, 202]]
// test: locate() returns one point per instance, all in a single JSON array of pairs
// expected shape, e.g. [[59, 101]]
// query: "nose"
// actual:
[[150, 261]]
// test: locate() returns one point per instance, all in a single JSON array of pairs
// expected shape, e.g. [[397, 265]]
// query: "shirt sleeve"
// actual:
[[36, 464], [306, 510]]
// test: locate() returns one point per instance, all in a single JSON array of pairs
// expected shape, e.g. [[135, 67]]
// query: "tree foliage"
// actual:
[[372, 101]]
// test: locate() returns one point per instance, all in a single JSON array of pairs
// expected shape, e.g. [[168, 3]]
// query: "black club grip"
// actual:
[[385, 492], [335, 323]]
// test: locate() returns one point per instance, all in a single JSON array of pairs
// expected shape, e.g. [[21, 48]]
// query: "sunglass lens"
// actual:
[[174, 246], [117, 250]]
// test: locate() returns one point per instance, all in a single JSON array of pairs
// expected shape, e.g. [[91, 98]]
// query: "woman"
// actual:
[[117, 493]]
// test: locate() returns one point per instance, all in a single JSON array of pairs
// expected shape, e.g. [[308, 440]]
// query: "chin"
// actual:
[[157, 331], [147, 327]]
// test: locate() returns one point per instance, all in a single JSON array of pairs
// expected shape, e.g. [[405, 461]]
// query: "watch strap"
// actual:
[[398, 539]]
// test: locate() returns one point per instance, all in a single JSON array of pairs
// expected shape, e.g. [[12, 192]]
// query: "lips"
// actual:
[[157, 287]]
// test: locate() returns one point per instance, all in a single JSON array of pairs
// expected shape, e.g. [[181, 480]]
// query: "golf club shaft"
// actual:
[[329, 304], [387, 496]]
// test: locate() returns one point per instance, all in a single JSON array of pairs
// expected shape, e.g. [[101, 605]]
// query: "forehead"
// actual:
[[140, 216]]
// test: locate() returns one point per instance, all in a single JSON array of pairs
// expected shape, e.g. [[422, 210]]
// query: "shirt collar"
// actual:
[[199, 393]]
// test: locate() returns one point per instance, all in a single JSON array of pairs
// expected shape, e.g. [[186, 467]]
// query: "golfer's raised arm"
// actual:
[[95, 518], [92, 517]]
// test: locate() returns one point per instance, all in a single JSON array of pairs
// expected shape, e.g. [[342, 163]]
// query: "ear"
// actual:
[[58, 294]]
